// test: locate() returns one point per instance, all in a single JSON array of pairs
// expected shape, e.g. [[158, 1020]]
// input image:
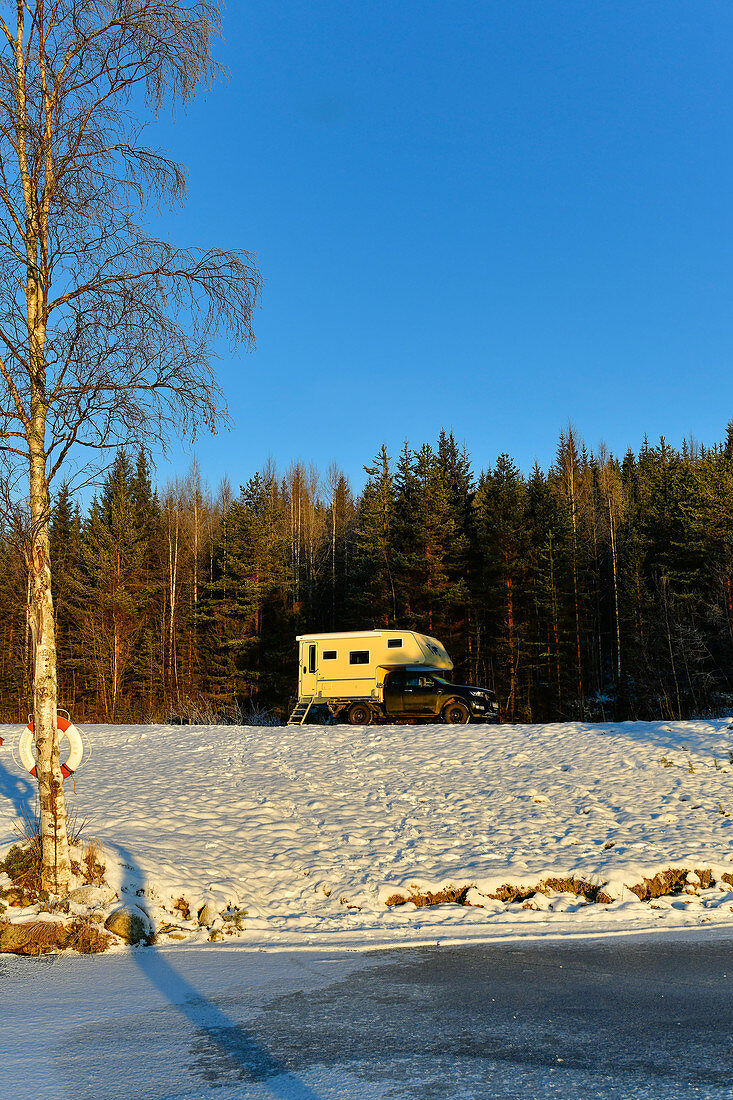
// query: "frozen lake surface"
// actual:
[[617, 1019]]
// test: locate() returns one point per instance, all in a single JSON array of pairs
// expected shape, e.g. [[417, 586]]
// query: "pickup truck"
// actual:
[[422, 694]]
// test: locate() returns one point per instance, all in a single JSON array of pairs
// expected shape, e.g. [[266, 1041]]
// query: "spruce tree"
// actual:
[[66, 554], [373, 601], [501, 515], [247, 614], [112, 608]]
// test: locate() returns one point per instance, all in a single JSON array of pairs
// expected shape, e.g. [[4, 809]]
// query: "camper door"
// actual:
[[308, 668]]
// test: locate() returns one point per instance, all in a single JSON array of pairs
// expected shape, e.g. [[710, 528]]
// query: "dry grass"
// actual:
[[182, 907], [23, 862], [23, 866], [87, 938], [44, 937], [456, 896], [510, 893], [94, 868], [32, 938], [592, 892], [670, 882], [579, 887]]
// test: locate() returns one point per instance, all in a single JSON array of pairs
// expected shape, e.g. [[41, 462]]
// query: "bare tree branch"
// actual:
[[106, 332]]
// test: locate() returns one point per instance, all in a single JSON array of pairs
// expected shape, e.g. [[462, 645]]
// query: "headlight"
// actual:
[[478, 694]]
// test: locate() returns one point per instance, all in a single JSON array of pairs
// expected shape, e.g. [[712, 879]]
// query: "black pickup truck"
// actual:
[[421, 694]]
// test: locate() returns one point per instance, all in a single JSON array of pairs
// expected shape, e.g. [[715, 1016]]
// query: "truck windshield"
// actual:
[[441, 680]]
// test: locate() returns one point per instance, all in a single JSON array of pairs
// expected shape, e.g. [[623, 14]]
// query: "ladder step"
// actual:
[[300, 712]]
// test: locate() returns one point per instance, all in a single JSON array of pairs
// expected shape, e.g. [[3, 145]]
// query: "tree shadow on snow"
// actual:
[[17, 790], [225, 1051]]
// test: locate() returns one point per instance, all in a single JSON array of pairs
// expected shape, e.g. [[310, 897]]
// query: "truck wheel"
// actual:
[[359, 714], [455, 713]]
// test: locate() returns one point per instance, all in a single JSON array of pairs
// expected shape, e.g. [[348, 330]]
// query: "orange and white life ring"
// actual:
[[66, 730]]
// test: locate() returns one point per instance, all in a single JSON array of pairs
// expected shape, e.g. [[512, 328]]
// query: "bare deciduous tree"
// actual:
[[105, 332]]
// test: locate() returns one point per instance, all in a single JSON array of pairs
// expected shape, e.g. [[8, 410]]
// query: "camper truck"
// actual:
[[378, 675]]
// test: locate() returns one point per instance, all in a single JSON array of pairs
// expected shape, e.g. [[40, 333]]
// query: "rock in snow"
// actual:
[[207, 915], [130, 924], [92, 895]]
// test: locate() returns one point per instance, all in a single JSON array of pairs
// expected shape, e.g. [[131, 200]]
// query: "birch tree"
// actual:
[[105, 332]]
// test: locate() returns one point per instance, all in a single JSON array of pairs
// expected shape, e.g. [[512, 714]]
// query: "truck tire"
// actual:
[[456, 713], [359, 714]]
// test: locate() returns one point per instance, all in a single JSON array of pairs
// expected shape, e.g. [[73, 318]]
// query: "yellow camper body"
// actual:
[[352, 665]]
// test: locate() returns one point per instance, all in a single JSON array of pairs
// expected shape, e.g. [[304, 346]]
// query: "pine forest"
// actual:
[[599, 589]]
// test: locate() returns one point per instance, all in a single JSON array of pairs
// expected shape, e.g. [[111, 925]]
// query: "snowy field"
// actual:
[[310, 830]]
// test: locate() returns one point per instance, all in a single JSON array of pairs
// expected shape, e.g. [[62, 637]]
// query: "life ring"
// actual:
[[66, 730]]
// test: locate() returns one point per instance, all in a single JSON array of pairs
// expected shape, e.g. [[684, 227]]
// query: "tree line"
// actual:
[[601, 588]]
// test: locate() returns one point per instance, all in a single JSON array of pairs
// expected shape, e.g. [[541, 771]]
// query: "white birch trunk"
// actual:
[[56, 869], [56, 874]]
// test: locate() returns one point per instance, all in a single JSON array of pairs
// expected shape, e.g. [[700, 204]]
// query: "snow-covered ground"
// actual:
[[311, 829]]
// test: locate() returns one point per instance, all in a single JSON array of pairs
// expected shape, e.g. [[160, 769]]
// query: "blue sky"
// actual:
[[491, 217]]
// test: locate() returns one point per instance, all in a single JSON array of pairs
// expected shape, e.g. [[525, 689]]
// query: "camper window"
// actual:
[[394, 643], [359, 657], [311, 658], [329, 655]]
